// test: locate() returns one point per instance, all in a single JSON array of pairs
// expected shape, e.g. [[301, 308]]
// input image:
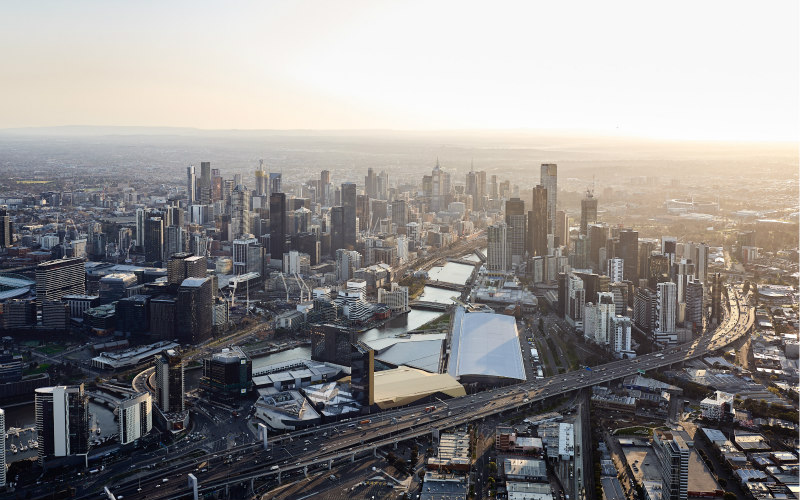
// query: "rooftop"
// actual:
[[485, 344]]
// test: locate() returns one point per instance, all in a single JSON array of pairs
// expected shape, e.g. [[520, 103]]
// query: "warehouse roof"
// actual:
[[485, 344]]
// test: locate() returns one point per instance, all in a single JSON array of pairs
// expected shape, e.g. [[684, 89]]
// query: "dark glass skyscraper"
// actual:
[[628, 251], [277, 225], [588, 211], [349, 204], [537, 223]]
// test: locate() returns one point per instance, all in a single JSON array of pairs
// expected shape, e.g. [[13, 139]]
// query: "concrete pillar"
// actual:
[[262, 433], [330, 464], [305, 470], [395, 445], [193, 485], [252, 490], [375, 451], [353, 457], [279, 476]]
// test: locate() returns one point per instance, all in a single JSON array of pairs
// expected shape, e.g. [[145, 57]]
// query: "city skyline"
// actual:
[[625, 68]]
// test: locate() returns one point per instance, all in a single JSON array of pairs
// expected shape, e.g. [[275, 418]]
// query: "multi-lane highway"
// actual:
[[294, 454]]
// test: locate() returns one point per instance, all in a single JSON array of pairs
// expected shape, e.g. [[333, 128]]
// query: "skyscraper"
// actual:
[[275, 183], [497, 251], [135, 417], [169, 381], [588, 211], [371, 184], [349, 197], [549, 180], [190, 184], [153, 239], [537, 223], [616, 269], [517, 225], [628, 251], [194, 318], [6, 231], [277, 225], [261, 179], [62, 421], [185, 265], [203, 188], [240, 212], [56, 278], [667, 303]]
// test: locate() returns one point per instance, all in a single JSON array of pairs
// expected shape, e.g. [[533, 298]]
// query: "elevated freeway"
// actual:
[[293, 455]]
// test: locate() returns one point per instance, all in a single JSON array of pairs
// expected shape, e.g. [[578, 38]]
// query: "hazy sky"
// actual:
[[697, 69]]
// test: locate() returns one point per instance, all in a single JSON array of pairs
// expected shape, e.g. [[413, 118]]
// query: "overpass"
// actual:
[[432, 306], [445, 285], [346, 441]]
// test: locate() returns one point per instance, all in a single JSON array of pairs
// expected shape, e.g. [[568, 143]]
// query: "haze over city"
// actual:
[[399, 250]]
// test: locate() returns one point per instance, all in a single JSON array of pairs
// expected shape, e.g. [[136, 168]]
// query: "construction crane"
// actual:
[[302, 285], [285, 286]]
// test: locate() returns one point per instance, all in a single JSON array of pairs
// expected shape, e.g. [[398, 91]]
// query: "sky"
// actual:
[[700, 70]]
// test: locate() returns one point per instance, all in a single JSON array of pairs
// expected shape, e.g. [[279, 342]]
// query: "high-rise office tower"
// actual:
[[153, 239], [598, 237], [561, 237], [326, 189], [141, 216], [56, 278], [261, 179], [669, 246], [436, 188], [6, 231], [203, 186], [700, 258], [185, 265], [169, 381], [2, 448], [628, 251], [694, 304], [275, 183], [616, 269], [371, 184], [621, 334], [667, 296], [498, 254], [62, 421], [240, 212], [349, 198], [135, 415], [476, 187], [174, 240], [191, 182], [277, 225], [194, 311], [383, 185], [227, 375], [337, 229], [549, 180], [516, 223], [537, 223], [588, 210], [399, 213]]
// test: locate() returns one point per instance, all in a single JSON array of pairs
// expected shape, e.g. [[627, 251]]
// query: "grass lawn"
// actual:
[[39, 369], [51, 349], [634, 431]]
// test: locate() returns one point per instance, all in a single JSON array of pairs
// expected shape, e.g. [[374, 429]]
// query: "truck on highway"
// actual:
[[365, 422], [429, 409]]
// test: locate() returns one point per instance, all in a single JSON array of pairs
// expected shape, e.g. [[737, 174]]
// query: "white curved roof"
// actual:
[[485, 344]]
